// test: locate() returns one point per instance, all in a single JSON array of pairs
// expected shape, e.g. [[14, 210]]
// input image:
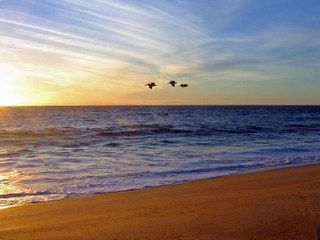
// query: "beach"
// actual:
[[275, 204]]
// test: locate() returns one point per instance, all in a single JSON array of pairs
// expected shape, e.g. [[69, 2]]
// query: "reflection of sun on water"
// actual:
[[9, 192], [9, 95]]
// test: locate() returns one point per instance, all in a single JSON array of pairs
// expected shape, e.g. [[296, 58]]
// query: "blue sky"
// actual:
[[74, 52]]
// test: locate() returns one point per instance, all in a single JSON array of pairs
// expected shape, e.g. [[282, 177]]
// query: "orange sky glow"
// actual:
[[105, 52]]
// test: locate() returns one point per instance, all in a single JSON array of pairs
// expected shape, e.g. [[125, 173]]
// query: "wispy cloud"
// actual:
[[126, 43]]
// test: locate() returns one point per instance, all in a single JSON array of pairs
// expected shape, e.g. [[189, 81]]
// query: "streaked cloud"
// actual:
[[114, 47]]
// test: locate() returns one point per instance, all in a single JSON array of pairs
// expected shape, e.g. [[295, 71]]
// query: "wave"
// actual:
[[13, 153], [32, 133], [22, 195], [202, 131], [147, 129]]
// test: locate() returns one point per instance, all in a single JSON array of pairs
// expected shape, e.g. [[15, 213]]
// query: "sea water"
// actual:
[[49, 153]]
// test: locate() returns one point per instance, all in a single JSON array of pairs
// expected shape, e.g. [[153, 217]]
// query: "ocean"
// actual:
[[50, 153]]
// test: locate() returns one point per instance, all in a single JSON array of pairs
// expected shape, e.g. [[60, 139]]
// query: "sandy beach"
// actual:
[[273, 204]]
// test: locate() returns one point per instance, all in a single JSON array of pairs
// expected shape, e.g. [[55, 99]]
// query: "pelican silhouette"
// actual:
[[151, 85], [184, 85], [173, 83]]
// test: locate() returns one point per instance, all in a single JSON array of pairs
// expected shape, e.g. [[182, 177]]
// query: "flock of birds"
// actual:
[[173, 84]]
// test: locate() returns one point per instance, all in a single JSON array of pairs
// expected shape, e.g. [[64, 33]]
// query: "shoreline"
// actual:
[[290, 165], [274, 203], [256, 170]]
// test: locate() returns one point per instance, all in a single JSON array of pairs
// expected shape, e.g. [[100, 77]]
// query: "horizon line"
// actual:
[[167, 105]]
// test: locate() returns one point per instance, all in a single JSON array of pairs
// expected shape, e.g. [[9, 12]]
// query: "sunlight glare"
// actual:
[[9, 95]]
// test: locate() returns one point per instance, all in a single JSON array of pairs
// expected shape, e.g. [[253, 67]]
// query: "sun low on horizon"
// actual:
[[105, 52], [9, 94]]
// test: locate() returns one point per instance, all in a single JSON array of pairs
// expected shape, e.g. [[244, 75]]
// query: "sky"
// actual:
[[104, 52]]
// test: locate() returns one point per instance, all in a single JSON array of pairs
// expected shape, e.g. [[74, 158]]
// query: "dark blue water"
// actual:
[[49, 153]]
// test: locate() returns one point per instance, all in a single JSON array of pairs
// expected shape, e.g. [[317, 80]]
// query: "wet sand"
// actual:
[[274, 204]]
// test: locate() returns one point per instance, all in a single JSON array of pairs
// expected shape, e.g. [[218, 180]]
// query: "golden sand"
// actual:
[[275, 204]]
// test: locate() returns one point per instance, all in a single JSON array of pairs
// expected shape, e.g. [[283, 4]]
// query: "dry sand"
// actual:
[[276, 204]]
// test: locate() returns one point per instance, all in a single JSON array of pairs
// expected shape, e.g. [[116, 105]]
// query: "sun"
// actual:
[[9, 95]]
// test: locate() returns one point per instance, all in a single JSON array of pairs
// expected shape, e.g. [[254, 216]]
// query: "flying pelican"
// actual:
[[184, 85], [151, 85], [173, 83]]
